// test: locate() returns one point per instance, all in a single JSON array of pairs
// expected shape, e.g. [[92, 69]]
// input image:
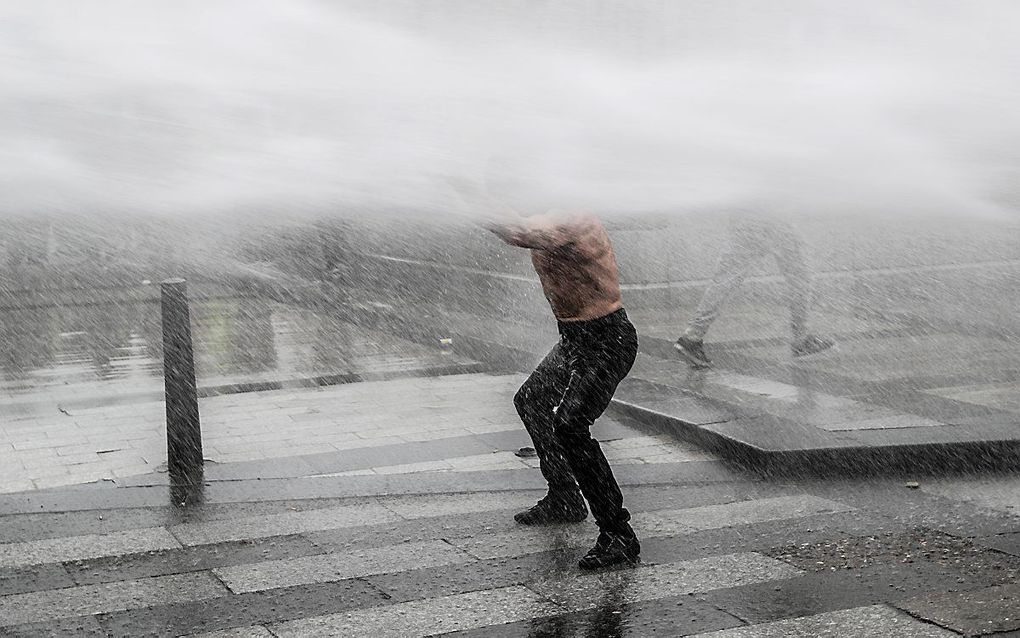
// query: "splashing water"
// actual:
[[200, 107]]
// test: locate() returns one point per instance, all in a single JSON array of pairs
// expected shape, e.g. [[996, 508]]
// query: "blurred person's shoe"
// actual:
[[810, 346], [554, 509], [693, 351], [612, 549]]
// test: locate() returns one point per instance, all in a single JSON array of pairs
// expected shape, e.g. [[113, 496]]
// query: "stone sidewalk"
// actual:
[[469, 420], [897, 393], [437, 553]]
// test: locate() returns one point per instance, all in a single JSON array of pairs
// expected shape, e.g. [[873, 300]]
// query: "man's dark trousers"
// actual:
[[560, 401]]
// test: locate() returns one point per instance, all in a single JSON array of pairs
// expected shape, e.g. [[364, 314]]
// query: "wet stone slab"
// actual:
[[188, 559], [254, 631], [973, 613], [35, 578], [242, 611], [972, 564], [817, 592], [85, 626], [660, 581], [281, 524], [332, 567], [675, 616], [91, 599], [56, 550], [860, 622], [426, 617]]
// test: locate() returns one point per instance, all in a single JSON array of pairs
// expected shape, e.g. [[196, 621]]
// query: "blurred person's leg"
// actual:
[[744, 249], [788, 248]]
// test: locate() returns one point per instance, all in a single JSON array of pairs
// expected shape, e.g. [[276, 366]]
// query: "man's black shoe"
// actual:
[[611, 549], [693, 351], [553, 510]]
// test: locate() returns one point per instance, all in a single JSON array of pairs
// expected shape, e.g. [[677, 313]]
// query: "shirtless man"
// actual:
[[575, 382]]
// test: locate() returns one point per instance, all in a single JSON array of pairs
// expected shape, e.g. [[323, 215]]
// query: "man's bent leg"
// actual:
[[590, 388], [535, 402]]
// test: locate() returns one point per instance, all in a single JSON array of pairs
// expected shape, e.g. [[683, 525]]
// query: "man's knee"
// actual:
[[572, 436], [521, 400]]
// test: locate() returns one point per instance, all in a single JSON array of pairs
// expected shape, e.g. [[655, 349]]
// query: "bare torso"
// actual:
[[580, 278]]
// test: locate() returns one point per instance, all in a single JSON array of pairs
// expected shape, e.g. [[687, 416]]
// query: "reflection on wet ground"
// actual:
[[88, 352]]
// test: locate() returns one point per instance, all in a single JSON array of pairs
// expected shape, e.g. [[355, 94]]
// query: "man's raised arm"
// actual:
[[540, 232]]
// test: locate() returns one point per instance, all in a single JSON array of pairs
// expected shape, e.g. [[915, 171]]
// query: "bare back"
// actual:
[[580, 278]]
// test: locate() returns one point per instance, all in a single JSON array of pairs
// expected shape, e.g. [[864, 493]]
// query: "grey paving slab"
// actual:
[[426, 617], [92, 599], [889, 422], [739, 513], [69, 500], [677, 616], [86, 626], [972, 613], [56, 550], [773, 434], [860, 622], [660, 581], [647, 524], [831, 590], [282, 524], [997, 493], [431, 505], [34, 578], [242, 610], [333, 567], [251, 631], [188, 559], [1005, 543]]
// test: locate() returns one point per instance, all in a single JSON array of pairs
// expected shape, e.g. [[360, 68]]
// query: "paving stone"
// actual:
[[741, 513], [970, 563], [823, 591], [242, 610], [973, 613], [254, 631], [861, 622], [35, 578], [426, 617], [82, 626], [189, 559], [414, 507], [281, 524], [56, 550], [43, 606], [660, 581], [675, 616], [647, 525], [331, 567], [1005, 543]]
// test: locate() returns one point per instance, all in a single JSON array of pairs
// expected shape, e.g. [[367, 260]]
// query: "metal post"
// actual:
[[183, 429]]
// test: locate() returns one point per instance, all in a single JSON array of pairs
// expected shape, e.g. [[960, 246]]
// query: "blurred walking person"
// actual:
[[752, 237]]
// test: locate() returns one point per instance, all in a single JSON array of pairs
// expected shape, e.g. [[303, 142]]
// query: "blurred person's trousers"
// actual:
[[560, 401], [751, 238]]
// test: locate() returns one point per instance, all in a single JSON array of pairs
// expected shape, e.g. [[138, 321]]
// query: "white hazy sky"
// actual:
[[215, 105]]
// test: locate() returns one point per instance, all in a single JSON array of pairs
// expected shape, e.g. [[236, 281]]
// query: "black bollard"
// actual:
[[183, 429]]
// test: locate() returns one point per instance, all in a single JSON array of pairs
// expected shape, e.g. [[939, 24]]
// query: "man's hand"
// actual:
[[478, 202]]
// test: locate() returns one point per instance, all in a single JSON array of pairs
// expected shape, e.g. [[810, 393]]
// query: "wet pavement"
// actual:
[[896, 393], [408, 531], [420, 549], [384, 506]]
